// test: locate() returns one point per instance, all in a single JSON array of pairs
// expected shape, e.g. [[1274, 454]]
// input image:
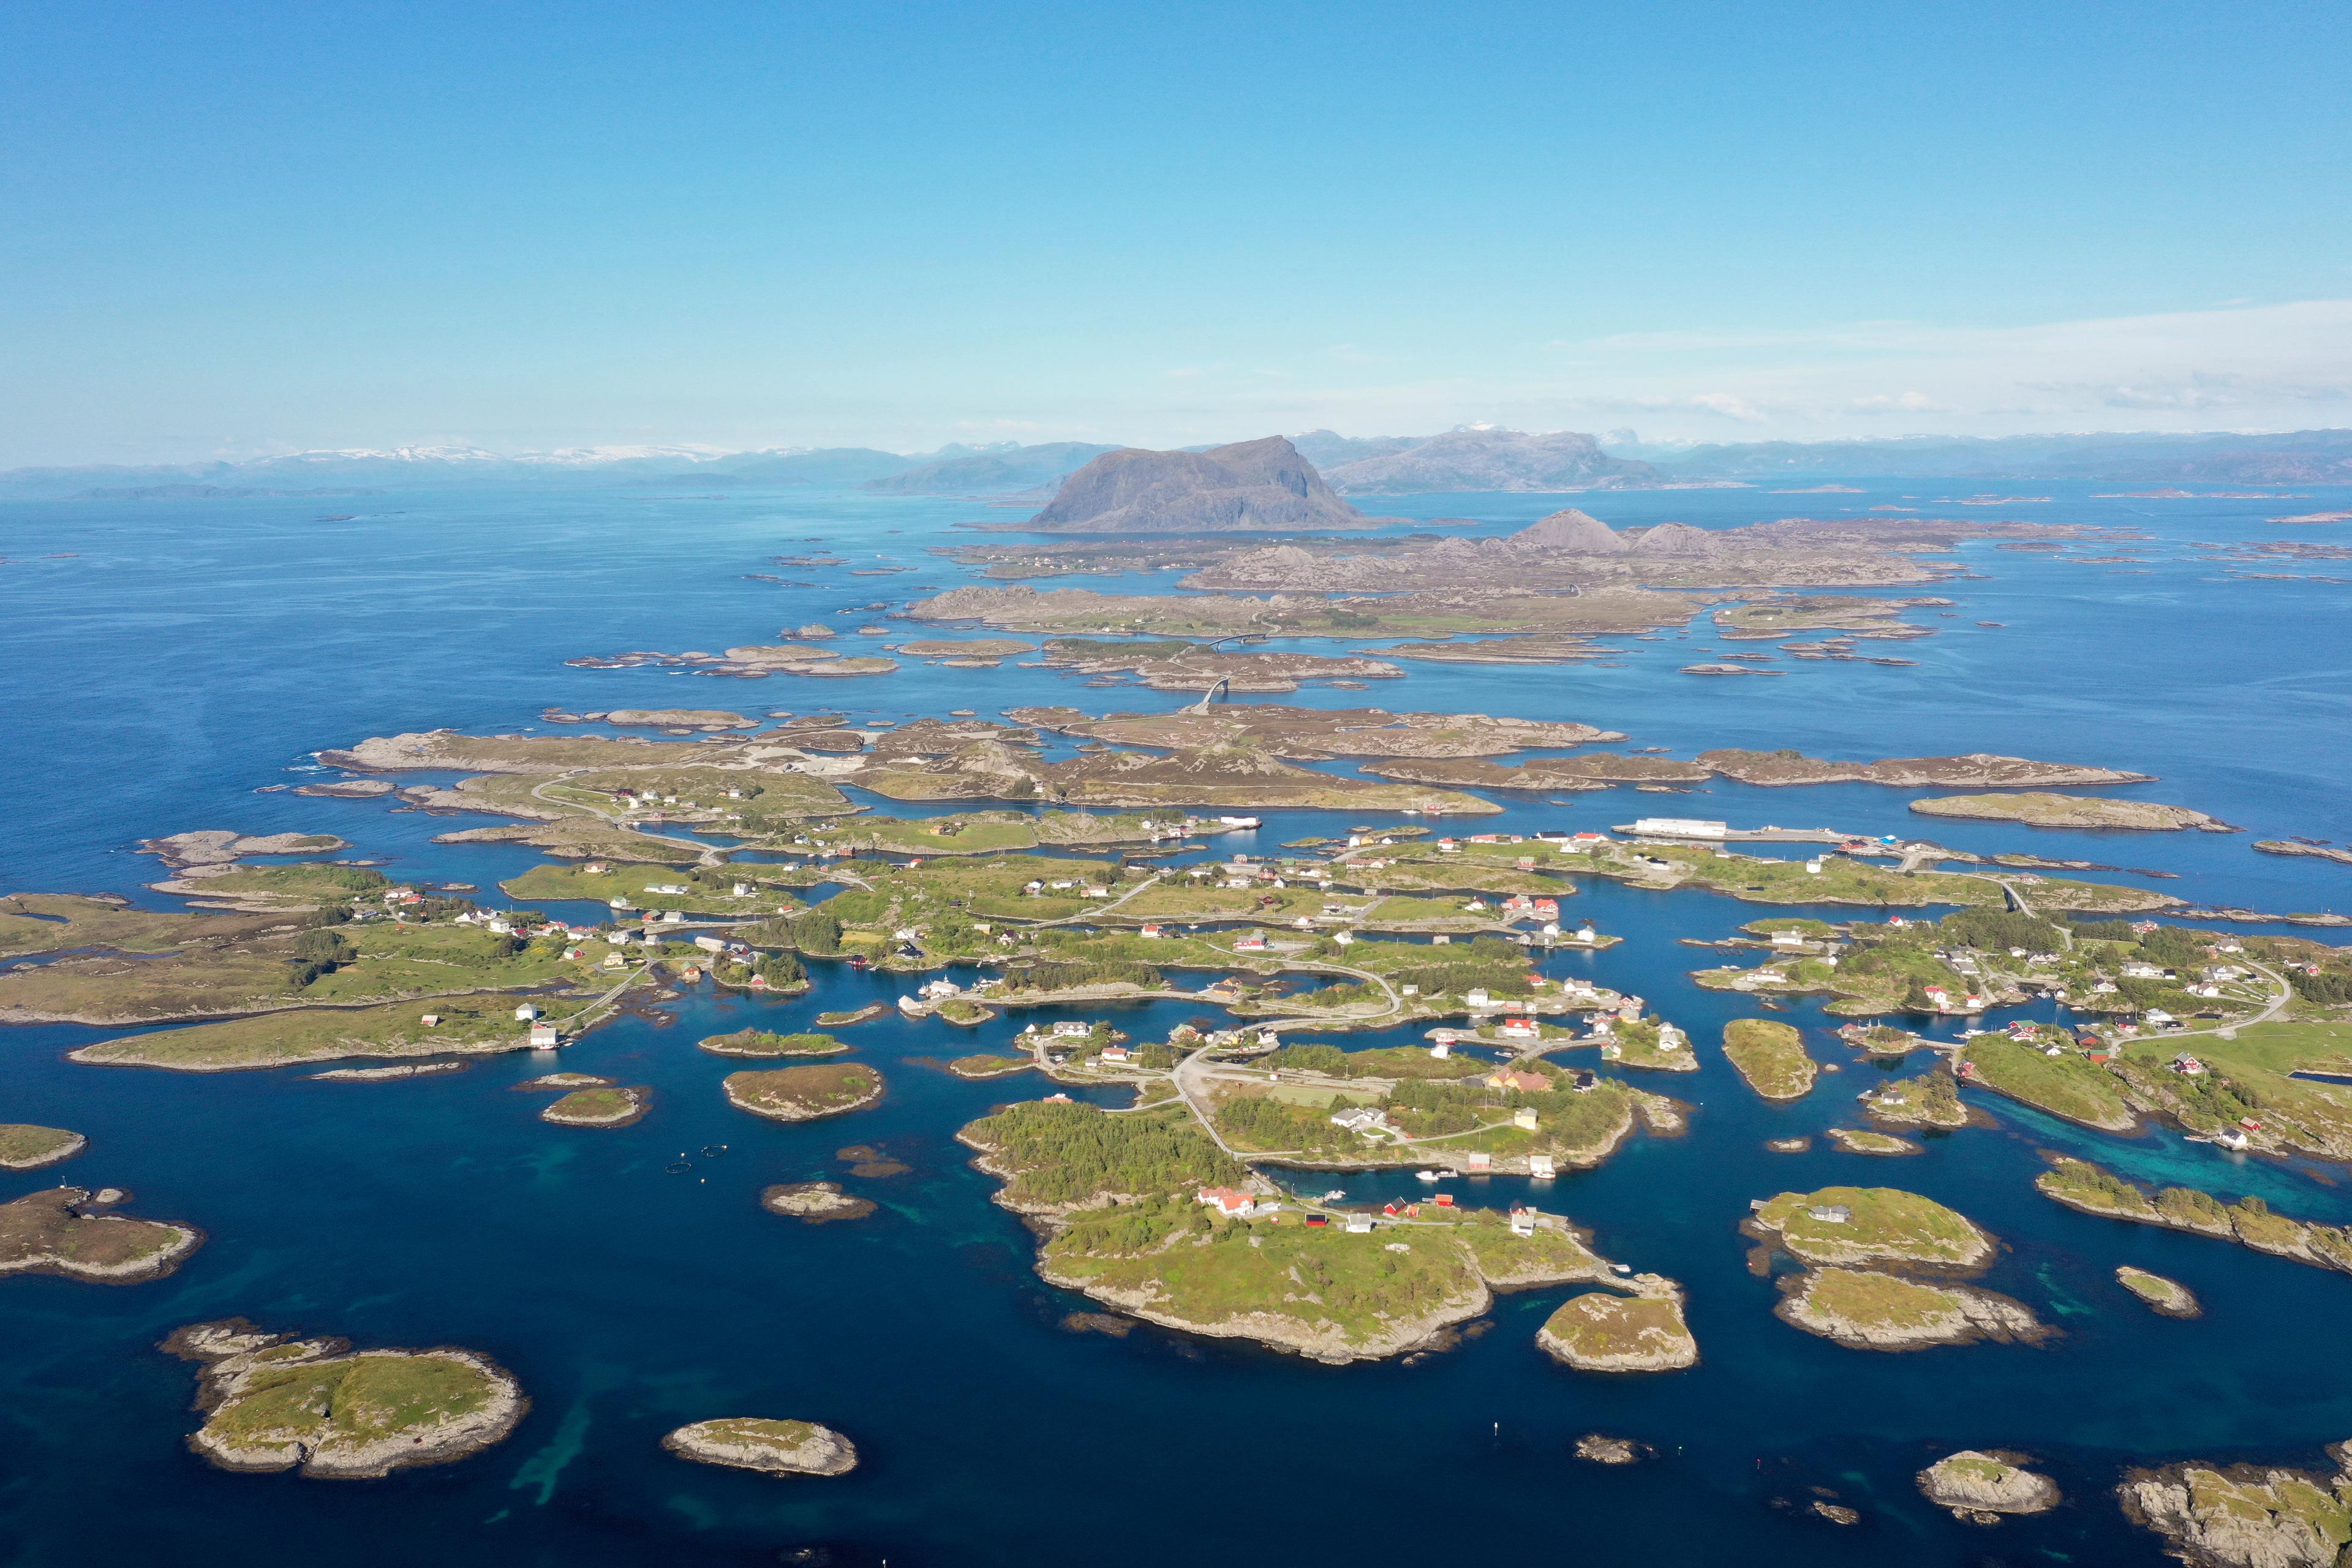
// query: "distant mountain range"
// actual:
[[991, 472], [1482, 457], [2297, 458], [1468, 459], [950, 471]]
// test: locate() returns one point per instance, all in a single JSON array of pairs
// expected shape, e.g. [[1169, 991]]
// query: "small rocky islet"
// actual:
[[760, 1443], [2167, 1296], [767, 1043], [817, 1203], [1983, 1487], [602, 1106]]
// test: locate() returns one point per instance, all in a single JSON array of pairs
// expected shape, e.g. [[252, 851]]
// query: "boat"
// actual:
[[1335, 1194], [1237, 824], [1426, 1176]]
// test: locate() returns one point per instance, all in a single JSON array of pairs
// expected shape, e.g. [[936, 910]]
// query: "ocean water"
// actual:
[[166, 660]]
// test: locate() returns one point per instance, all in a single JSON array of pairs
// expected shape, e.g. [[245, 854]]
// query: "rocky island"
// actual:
[[1981, 1488], [758, 1443], [73, 1232], [1771, 1057], [1867, 1309], [766, 1043], [1861, 1140], [2250, 1222], [275, 1402], [2042, 809], [2169, 1296], [1883, 1307], [804, 1094], [1872, 1224], [815, 1202], [1598, 1332], [600, 1107]]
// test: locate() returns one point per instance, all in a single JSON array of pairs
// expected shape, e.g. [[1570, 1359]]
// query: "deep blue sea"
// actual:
[[167, 659]]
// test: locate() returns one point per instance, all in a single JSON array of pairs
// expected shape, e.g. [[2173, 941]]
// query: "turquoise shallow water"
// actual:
[[167, 659]]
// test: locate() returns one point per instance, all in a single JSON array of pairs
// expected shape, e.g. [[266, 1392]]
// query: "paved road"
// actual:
[[2286, 994], [706, 853]]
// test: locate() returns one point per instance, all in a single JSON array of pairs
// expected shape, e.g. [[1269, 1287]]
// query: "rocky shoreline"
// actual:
[[2243, 1516], [385, 1075]]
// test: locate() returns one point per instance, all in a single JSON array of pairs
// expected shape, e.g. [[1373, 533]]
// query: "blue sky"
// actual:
[[252, 228]]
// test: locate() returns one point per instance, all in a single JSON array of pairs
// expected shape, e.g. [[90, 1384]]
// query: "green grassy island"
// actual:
[[1599, 1332], [2042, 809], [273, 1402], [1872, 1224], [2080, 1184], [804, 1094], [71, 1231], [2169, 1296], [757, 1443], [2068, 1085], [319, 1035], [286, 963], [1866, 1309], [1860, 1140], [24, 1147], [764, 1043], [1771, 1057], [1925, 1099], [988, 1066], [599, 1107], [1116, 1200]]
